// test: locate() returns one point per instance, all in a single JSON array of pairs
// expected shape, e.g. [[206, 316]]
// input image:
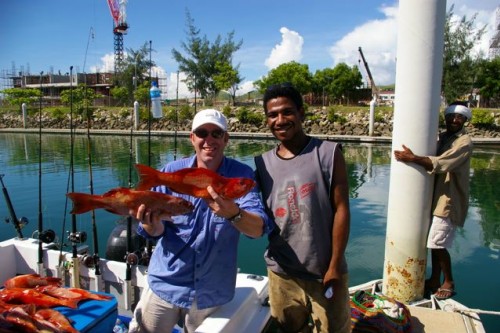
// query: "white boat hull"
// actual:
[[247, 312]]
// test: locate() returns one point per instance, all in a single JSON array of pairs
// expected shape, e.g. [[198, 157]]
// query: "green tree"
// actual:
[[18, 96], [292, 72], [81, 97], [227, 79], [121, 94], [136, 64], [346, 81], [459, 63], [142, 93], [488, 81], [338, 83], [202, 56]]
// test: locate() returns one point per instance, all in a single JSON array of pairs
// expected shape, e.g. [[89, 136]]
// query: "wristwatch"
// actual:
[[236, 218]]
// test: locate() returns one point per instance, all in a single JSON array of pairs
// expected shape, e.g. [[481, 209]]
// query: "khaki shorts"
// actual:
[[441, 234], [295, 303], [153, 315]]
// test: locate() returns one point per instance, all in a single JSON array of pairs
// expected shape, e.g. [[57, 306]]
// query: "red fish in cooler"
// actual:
[[31, 281], [194, 182], [32, 296], [56, 318], [71, 293], [121, 200]]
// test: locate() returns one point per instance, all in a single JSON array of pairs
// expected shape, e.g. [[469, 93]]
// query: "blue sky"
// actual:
[[53, 35]]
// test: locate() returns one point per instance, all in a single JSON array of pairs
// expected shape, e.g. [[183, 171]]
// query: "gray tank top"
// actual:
[[296, 193]]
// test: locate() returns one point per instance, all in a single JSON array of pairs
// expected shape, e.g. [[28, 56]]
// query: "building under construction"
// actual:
[[52, 85]]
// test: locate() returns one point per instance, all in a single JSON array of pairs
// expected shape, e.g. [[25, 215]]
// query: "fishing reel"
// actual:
[[90, 261], [133, 258], [46, 236], [77, 237], [21, 222]]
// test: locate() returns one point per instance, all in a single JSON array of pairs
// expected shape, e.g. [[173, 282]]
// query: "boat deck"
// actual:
[[426, 320]]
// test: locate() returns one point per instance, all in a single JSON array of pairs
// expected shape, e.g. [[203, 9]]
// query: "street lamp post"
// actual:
[[109, 96]]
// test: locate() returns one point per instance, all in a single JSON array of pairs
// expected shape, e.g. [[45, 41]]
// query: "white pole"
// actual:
[[418, 84], [24, 109], [373, 103], [136, 115]]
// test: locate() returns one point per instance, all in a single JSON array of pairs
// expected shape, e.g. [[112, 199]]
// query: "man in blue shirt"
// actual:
[[193, 267]]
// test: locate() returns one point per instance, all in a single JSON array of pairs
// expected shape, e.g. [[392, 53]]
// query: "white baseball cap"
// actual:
[[460, 109], [209, 116]]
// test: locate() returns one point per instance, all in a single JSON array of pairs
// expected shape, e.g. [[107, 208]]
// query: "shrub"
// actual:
[[482, 118], [57, 114], [185, 113], [226, 111], [245, 116], [335, 117]]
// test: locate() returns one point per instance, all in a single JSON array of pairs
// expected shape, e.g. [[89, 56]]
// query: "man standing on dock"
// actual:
[[450, 203]]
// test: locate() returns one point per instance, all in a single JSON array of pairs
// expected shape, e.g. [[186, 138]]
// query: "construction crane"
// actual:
[[120, 26], [375, 92]]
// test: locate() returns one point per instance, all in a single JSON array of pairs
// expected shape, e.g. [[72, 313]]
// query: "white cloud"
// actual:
[[245, 88], [377, 39], [290, 49], [176, 87], [107, 64]]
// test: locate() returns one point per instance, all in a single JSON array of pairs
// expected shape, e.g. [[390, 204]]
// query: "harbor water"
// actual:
[[475, 253]]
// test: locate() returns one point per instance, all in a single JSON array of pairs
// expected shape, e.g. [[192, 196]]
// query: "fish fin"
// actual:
[[83, 202], [71, 303], [55, 281], [148, 177]]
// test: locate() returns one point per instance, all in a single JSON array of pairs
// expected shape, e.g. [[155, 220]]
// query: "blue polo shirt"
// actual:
[[196, 255]]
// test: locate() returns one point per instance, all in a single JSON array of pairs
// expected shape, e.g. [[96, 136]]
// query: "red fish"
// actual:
[[71, 293], [31, 281], [32, 296], [121, 200], [20, 319], [194, 182], [55, 318]]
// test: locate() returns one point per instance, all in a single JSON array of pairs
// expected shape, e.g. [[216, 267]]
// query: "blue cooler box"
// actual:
[[93, 316]]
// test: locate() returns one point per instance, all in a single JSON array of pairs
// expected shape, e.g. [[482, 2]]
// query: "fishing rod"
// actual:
[[95, 261], [74, 237], [176, 116], [18, 224], [149, 245], [131, 257], [40, 215]]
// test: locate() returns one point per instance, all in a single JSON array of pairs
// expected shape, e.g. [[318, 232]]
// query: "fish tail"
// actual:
[[70, 303], [148, 177], [83, 202]]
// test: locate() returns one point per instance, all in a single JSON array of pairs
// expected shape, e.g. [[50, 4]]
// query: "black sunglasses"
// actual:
[[203, 133]]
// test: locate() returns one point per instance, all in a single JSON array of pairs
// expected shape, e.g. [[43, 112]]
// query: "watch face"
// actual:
[[236, 219]]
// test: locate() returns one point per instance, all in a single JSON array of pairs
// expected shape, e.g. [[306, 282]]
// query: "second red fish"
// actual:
[[194, 182]]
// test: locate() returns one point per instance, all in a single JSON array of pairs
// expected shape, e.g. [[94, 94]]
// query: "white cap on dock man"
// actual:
[[209, 116], [460, 109]]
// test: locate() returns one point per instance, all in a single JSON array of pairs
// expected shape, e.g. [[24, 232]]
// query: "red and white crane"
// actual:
[[120, 27]]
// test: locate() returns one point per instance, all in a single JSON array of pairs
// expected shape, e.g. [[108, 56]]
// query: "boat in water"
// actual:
[[248, 312]]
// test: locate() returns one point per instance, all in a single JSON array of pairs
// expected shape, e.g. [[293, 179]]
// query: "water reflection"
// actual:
[[366, 163]]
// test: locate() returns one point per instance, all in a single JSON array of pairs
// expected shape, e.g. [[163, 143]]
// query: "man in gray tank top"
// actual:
[[305, 190]]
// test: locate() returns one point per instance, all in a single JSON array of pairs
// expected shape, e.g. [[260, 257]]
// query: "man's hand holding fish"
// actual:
[[151, 221]]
